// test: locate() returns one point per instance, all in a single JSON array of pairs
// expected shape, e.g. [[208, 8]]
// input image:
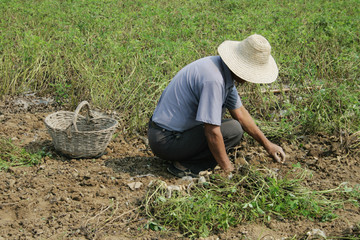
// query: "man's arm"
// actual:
[[248, 124], [217, 147]]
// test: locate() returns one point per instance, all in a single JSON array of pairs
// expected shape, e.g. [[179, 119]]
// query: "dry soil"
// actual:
[[91, 199]]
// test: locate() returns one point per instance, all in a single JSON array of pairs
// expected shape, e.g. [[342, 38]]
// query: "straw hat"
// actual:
[[250, 59]]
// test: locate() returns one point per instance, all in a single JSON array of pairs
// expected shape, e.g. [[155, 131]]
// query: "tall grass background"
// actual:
[[121, 55]]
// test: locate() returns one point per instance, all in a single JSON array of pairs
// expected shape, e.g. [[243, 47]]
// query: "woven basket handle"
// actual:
[[77, 111]]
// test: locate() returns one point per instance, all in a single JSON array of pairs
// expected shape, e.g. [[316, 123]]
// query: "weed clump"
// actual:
[[250, 195], [13, 156]]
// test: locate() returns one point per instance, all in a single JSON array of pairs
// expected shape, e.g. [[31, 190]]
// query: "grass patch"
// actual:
[[13, 156], [331, 109], [250, 195]]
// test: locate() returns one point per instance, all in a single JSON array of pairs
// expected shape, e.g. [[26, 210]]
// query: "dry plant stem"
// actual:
[[149, 198], [284, 90], [97, 215], [101, 225], [111, 220]]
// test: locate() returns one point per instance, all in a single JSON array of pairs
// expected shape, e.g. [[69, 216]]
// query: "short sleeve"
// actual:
[[233, 100], [210, 103]]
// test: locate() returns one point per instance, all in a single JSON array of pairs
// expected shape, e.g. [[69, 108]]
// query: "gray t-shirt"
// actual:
[[199, 93]]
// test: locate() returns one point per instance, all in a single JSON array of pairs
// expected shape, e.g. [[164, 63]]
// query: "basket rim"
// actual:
[[47, 119]]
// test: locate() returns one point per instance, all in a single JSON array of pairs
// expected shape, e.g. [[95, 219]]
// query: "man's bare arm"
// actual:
[[217, 147], [248, 124]]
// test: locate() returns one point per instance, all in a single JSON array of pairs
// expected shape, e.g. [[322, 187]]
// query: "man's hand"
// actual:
[[248, 124], [276, 152]]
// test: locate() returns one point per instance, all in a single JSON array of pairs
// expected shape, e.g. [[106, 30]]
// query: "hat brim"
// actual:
[[230, 53]]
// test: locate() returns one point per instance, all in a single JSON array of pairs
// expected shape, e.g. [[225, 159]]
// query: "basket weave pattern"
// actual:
[[77, 136]]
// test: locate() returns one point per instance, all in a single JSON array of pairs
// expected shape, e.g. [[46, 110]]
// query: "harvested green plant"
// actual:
[[250, 195]]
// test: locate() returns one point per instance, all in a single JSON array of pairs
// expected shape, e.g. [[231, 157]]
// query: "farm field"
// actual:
[[119, 56], [64, 198]]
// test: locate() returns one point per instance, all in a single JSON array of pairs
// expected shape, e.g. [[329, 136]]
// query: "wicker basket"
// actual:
[[77, 136]]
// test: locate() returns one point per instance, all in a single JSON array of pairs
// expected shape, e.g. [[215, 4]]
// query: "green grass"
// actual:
[[122, 54], [251, 195], [13, 156]]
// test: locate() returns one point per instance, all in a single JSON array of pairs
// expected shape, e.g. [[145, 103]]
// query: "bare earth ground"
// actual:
[[90, 198]]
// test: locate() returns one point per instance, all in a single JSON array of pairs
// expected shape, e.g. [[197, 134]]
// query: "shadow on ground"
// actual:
[[138, 166]]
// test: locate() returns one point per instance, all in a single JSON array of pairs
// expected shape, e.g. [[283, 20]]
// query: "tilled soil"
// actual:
[[91, 198]]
